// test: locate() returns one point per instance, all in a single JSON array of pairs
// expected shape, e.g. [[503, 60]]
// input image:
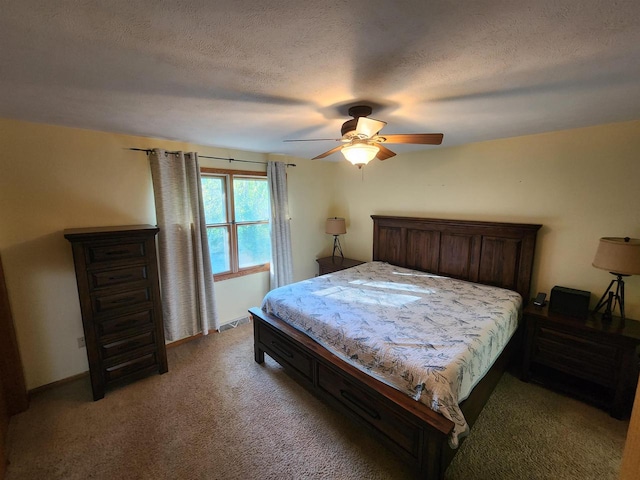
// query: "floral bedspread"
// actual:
[[428, 336]]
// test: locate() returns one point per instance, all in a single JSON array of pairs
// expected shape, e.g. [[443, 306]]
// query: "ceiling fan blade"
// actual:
[[419, 138], [369, 126], [326, 154], [384, 152]]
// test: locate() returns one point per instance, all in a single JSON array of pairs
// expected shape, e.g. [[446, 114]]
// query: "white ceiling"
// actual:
[[247, 74]]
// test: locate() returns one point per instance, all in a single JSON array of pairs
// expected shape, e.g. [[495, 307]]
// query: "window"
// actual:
[[237, 211]]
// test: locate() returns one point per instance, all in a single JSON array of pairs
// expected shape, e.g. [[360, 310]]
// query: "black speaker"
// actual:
[[569, 301]]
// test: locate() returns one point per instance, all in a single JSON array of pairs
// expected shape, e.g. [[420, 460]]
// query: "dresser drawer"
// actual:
[[111, 253], [119, 276], [105, 303], [133, 321], [285, 353], [121, 370], [129, 344], [373, 412]]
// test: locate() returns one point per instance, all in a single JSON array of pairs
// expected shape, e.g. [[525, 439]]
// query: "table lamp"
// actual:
[[336, 226], [620, 257]]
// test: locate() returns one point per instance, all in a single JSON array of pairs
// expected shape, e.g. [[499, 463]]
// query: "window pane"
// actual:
[[218, 238], [251, 199], [254, 245], [215, 199]]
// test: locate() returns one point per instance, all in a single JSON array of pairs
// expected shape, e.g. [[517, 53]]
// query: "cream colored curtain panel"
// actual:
[[185, 267], [281, 257]]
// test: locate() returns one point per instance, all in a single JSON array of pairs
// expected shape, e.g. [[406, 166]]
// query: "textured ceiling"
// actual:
[[247, 74]]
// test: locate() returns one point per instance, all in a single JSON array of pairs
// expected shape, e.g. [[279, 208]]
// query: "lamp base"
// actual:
[[609, 299], [336, 246]]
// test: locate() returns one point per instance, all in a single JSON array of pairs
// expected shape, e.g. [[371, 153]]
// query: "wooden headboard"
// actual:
[[492, 253]]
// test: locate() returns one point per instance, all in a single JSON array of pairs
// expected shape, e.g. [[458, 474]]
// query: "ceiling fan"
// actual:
[[362, 141]]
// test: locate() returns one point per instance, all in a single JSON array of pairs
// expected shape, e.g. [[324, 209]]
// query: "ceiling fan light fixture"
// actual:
[[360, 154]]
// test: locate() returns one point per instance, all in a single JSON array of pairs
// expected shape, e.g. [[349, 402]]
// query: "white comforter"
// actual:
[[430, 337]]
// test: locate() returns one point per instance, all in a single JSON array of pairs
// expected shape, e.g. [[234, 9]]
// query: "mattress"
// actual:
[[429, 336]]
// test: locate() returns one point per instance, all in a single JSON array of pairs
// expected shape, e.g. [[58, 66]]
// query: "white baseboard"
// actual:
[[233, 323]]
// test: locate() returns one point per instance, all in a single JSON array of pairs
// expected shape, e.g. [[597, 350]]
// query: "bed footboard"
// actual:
[[409, 428]]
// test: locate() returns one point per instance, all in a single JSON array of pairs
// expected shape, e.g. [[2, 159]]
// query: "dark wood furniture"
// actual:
[[486, 252], [335, 264], [117, 276], [594, 360], [13, 391]]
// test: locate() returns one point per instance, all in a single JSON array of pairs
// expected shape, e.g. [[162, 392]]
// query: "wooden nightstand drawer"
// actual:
[[570, 361], [574, 345], [575, 355]]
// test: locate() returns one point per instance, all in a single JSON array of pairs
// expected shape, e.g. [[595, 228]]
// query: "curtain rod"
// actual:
[[148, 151]]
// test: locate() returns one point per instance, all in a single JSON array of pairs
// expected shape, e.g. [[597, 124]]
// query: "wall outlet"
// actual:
[[81, 343]]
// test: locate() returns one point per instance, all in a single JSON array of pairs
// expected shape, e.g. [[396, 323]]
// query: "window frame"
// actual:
[[231, 223]]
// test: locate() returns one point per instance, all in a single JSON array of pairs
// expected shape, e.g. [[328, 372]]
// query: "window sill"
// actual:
[[246, 271]]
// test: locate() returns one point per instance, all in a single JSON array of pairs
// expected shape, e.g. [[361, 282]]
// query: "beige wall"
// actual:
[[580, 184], [52, 178]]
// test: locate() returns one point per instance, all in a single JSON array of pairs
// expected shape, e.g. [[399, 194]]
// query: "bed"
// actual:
[[485, 253]]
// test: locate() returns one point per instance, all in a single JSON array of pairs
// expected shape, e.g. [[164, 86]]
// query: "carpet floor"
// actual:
[[218, 415]]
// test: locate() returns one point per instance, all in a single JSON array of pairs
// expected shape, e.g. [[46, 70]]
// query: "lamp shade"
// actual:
[[336, 226], [618, 255], [360, 153]]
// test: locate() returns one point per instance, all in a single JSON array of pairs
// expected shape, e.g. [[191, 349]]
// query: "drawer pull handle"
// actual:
[[279, 348], [117, 252], [120, 277], [124, 300], [356, 403], [124, 344], [125, 323]]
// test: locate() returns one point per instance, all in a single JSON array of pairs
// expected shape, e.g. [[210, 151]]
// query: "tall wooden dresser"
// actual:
[[117, 276]]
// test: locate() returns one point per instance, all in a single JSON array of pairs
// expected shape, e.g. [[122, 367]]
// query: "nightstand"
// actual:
[[334, 264], [596, 361]]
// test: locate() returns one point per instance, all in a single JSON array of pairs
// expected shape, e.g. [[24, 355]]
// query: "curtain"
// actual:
[[281, 257], [186, 278]]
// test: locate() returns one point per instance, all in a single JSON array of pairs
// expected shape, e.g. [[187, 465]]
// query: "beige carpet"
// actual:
[[219, 415]]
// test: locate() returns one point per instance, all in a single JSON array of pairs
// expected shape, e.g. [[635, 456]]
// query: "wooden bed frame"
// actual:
[[492, 253]]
